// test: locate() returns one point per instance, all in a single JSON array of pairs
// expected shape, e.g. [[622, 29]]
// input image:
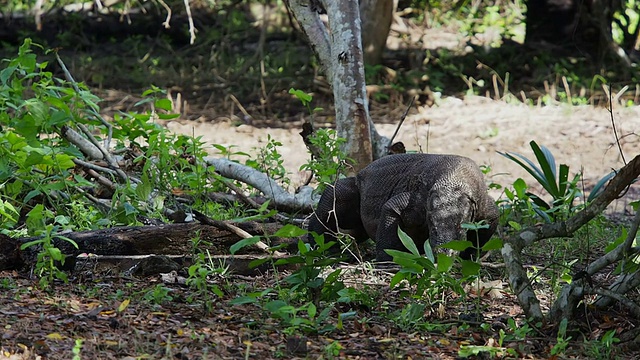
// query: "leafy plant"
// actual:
[[427, 274], [410, 316], [328, 162], [77, 349], [603, 349], [49, 256], [270, 161], [200, 273], [158, 295], [306, 281], [303, 292], [562, 340], [554, 179]]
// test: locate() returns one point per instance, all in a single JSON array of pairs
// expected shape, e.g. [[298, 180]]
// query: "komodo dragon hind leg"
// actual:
[[338, 210], [396, 212]]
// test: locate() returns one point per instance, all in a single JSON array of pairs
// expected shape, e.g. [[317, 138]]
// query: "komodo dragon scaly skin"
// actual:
[[429, 196]]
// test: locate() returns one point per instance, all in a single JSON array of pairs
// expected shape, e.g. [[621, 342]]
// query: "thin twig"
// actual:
[[223, 225], [101, 179], [91, 110], [168, 19], [107, 156], [613, 123], [242, 109], [404, 116], [192, 28], [93, 166]]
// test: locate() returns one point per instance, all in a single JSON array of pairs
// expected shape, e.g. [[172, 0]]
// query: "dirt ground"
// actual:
[[478, 127]]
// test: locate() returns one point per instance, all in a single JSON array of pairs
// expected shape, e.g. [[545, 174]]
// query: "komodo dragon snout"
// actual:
[[428, 196]]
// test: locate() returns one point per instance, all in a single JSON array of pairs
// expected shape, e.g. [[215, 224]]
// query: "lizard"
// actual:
[[429, 196]]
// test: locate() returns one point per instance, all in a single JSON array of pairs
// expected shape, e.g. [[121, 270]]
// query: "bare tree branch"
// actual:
[[571, 295], [623, 284], [632, 306], [282, 199]]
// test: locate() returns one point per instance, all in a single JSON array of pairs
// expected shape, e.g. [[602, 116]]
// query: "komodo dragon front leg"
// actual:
[[339, 210], [437, 218]]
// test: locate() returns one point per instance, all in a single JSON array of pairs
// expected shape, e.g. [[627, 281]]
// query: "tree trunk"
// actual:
[[339, 50], [376, 16], [349, 88], [582, 27]]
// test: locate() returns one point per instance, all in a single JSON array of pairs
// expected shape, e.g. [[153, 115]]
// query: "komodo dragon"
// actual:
[[429, 196]]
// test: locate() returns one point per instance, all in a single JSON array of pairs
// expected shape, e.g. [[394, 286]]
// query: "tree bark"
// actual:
[[376, 16], [169, 239], [339, 50]]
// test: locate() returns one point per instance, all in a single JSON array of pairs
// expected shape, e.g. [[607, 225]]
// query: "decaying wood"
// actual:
[[146, 265], [224, 225], [169, 239]]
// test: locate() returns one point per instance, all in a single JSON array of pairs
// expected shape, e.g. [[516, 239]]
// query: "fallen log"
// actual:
[[168, 239]]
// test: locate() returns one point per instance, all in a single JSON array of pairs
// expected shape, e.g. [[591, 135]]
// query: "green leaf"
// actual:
[[290, 231], [444, 263], [290, 260], [164, 104], [243, 243], [475, 350], [303, 247], [168, 116], [406, 260], [301, 95], [277, 306], [58, 118], [408, 242], [470, 268], [563, 176], [333, 277], [599, 186], [55, 254], [34, 158], [428, 252], [312, 311], [31, 243], [6, 73], [457, 245], [515, 225], [70, 241], [129, 209], [64, 161], [35, 218], [257, 262], [493, 244], [241, 300], [530, 167], [31, 194], [144, 188], [397, 278], [619, 240], [548, 164]]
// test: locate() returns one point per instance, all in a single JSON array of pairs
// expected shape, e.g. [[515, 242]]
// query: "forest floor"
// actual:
[[126, 317]]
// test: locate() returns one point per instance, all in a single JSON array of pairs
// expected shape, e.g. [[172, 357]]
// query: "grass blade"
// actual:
[[548, 165], [530, 167]]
